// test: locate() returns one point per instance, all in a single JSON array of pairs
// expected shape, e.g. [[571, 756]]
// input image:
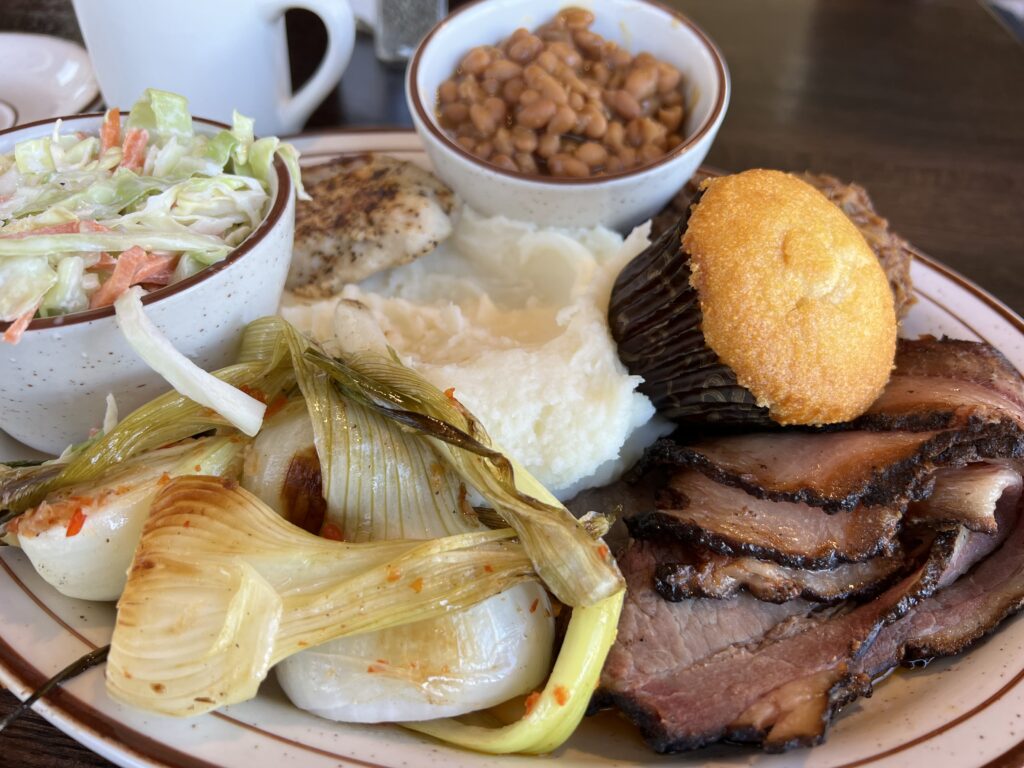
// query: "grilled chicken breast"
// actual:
[[367, 214]]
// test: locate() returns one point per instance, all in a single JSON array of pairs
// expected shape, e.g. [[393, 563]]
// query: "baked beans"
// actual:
[[563, 101]]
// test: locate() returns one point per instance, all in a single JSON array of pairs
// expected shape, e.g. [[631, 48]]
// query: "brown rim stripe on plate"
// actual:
[[32, 678], [444, 138], [284, 192], [91, 719], [932, 300]]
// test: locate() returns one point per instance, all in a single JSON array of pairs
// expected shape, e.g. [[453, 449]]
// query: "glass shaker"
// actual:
[[401, 24]]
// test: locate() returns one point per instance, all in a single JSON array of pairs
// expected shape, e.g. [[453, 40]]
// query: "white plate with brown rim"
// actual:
[[963, 712]]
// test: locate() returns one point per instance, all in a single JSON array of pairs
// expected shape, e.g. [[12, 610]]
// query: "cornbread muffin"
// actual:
[[764, 305]]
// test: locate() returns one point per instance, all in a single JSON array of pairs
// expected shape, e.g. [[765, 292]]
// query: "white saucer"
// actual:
[[43, 77]]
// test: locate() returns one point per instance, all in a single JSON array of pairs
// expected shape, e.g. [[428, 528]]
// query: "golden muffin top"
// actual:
[[793, 298]]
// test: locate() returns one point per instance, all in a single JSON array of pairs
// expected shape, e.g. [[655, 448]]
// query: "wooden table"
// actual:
[[922, 102]]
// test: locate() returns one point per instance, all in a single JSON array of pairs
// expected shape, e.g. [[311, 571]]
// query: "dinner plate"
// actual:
[[963, 712], [42, 77]]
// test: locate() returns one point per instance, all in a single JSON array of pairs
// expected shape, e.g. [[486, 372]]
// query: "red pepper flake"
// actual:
[[561, 695], [450, 393], [534, 604], [394, 574], [164, 479], [75, 524], [186, 524], [602, 551], [373, 668], [417, 586], [531, 701], [198, 467], [332, 532], [488, 568], [276, 405]]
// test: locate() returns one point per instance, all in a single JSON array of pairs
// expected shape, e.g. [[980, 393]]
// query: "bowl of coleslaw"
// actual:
[[199, 214]]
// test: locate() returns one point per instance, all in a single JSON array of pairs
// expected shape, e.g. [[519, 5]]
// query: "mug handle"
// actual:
[[341, 36]]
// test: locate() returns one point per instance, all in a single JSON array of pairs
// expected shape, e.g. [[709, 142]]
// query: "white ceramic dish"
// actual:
[[619, 200], [962, 712], [56, 379], [43, 77]]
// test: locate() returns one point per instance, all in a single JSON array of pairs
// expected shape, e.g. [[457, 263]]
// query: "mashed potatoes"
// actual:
[[514, 318]]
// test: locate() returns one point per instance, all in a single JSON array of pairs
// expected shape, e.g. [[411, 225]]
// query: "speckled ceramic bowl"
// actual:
[[54, 382], [617, 200]]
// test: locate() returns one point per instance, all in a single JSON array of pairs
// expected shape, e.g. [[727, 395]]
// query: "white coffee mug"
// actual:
[[221, 54]]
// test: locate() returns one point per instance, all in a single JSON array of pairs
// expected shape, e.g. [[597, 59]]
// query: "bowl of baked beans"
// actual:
[[567, 114]]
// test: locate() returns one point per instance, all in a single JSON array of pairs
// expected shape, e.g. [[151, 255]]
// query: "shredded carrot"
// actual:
[[110, 133], [133, 151], [332, 532], [106, 262], [164, 479], [120, 280], [531, 701], [394, 574], [561, 695], [156, 268], [75, 524], [278, 403], [417, 586], [198, 467], [450, 393], [14, 331], [602, 551], [91, 226]]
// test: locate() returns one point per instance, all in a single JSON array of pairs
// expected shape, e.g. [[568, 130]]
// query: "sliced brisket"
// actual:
[[944, 383], [778, 689], [839, 470], [707, 574], [729, 521], [966, 496]]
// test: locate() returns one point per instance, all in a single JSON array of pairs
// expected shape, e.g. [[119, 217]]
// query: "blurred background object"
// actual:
[[401, 24], [1011, 12]]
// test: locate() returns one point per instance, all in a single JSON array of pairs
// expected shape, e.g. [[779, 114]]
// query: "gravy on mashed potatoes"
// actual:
[[514, 317]]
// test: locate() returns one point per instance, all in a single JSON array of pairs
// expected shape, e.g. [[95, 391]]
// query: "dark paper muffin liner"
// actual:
[[655, 318]]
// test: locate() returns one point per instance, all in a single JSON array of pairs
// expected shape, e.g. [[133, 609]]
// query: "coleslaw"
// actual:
[[151, 202]]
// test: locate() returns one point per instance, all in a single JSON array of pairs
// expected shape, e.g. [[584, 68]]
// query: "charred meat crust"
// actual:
[[656, 525], [899, 482], [680, 581]]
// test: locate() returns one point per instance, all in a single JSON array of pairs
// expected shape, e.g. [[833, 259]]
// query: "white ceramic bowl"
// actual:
[[617, 200], [54, 382]]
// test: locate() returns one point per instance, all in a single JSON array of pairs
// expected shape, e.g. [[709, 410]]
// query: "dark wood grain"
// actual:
[[922, 102]]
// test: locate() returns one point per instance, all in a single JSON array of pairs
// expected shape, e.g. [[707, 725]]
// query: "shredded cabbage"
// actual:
[[243, 411], [154, 183]]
